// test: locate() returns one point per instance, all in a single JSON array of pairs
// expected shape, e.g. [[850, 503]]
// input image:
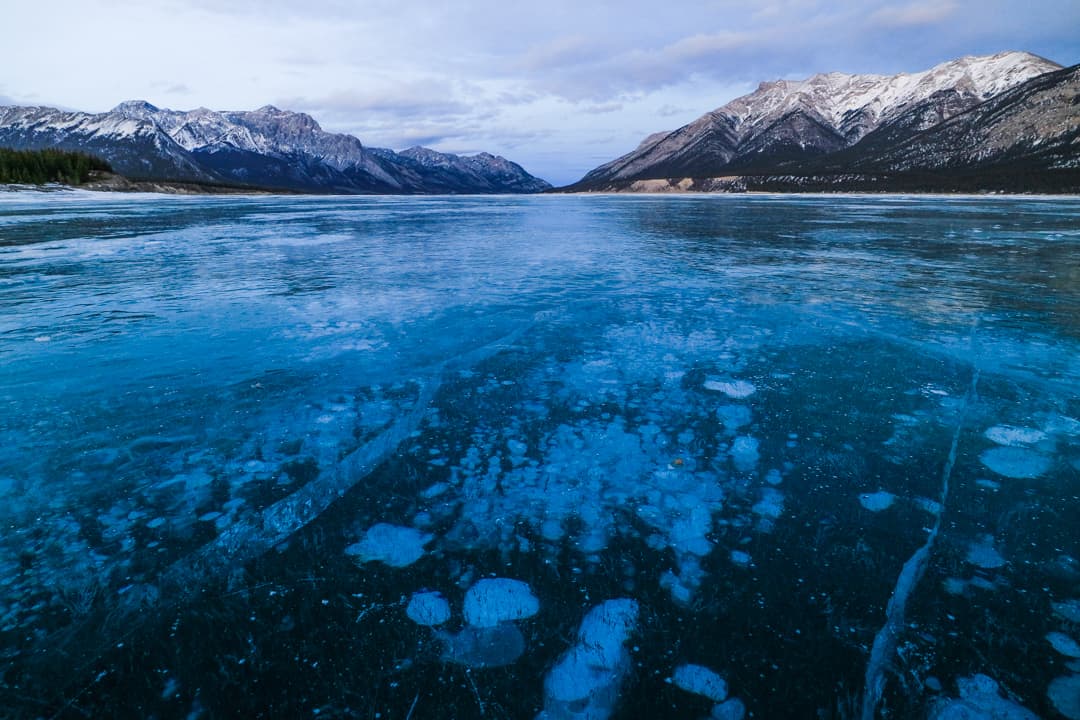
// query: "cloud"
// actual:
[[914, 14], [602, 109], [668, 110], [703, 45], [563, 76]]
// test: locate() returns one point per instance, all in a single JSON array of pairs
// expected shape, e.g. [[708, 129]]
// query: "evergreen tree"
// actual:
[[36, 167]]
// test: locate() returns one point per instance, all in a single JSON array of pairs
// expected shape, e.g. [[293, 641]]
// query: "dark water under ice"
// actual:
[[557, 457]]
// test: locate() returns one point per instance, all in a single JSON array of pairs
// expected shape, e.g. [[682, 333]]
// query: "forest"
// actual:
[[37, 167]]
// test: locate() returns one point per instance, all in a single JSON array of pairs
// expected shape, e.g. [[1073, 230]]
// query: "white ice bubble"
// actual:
[[980, 699], [607, 626], [983, 554], [734, 417], [1064, 644], [435, 490], [733, 709], [700, 680], [744, 451], [740, 558], [584, 683], [395, 545], [497, 600], [428, 609], [481, 647], [877, 501], [1068, 609], [927, 505], [736, 389], [771, 505], [1064, 693], [1014, 436], [1015, 462]]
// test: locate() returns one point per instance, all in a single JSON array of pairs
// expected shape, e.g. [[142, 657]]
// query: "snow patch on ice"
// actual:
[[394, 545], [700, 680], [497, 600]]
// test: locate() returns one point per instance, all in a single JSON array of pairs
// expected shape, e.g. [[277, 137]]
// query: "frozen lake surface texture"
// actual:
[[564, 458]]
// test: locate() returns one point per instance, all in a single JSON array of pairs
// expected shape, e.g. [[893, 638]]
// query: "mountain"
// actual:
[[832, 129], [266, 148], [1035, 126]]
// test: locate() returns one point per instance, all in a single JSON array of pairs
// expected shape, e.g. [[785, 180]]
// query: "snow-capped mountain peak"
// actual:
[[268, 147], [834, 96], [794, 120]]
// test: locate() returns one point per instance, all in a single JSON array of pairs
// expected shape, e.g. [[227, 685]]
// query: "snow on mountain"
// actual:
[[268, 147], [1033, 127], [837, 98], [788, 120]]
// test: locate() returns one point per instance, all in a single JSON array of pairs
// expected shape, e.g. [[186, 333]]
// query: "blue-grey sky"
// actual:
[[559, 86]]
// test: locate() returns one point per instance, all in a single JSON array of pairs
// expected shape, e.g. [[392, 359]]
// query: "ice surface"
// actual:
[[428, 608], [1015, 462], [1064, 644], [492, 601], [877, 501], [700, 680], [212, 360], [395, 545]]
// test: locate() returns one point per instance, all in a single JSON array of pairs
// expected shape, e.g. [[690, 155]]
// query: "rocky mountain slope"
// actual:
[[836, 125], [264, 148]]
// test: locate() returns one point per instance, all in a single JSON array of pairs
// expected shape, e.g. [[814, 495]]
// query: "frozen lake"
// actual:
[[540, 457]]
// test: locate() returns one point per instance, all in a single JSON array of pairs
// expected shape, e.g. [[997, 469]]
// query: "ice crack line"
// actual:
[[886, 639]]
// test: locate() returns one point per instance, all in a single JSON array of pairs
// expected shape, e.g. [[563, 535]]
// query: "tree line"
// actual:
[[36, 167]]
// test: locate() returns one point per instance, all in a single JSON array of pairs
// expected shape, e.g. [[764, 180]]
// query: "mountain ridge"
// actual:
[[829, 123], [268, 148]]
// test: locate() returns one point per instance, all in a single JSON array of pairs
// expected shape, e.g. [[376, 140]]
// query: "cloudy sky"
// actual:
[[559, 86]]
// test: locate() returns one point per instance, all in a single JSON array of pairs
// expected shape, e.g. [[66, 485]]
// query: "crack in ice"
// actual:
[[886, 639]]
